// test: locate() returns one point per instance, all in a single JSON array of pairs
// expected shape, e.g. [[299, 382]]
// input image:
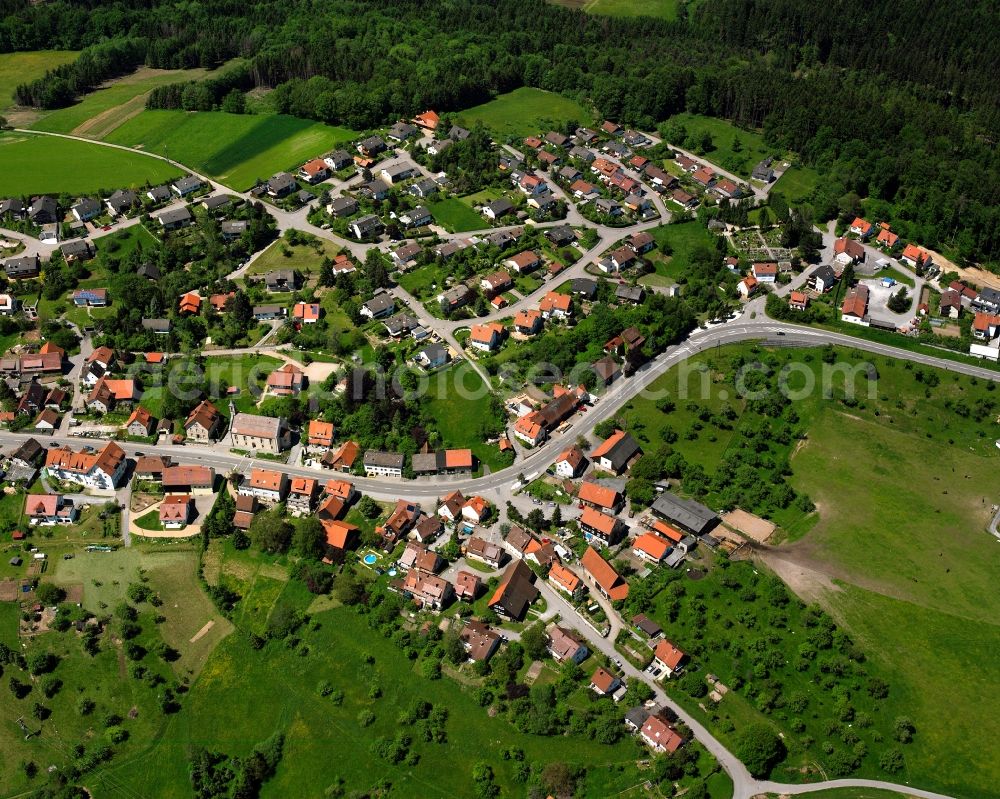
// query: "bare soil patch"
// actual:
[[749, 524]]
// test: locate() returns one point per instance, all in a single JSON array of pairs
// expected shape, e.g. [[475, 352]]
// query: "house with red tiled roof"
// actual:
[[286, 381], [189, 303], [595, 524], [428, 120], [567, 581], [140, 423], [341, 459], [913, 256], [306, 313], [527, 322], [268, 485], [607, 580], [176, 511], [600, 497], [566, 645], [855, 307], [340, 536], [555, 305], [49, 509], [704, 177], [748, 286], [301, 495], [486, 337], [861, 227], [887, 238], [320, 434], [476, 509], [660, 736], [604, 683], [650, 548], [798, 301], [315, 171], [218, 301], [467, 586], [668, 657], [765, 271], [848, 251], [570, 462]]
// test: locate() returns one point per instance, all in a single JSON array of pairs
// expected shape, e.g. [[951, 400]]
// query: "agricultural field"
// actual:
[[38, 164], [235, 149], [526, 111], [733, 148], [456, 216], [18, 68], [101, 111]]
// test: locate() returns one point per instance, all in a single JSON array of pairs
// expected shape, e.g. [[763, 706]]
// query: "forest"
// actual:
[[890, 101]]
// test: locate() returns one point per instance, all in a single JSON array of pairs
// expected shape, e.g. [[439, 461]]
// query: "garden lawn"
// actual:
[[461, 404], [751, 147], [103, 110], [526, 111], [31, 164], [306, 258], [18, 68], [236, 149], [680, 240], [281, 686], [456, 216]]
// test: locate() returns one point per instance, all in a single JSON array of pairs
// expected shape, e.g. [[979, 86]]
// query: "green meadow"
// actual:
[[526, 111], [32, 164], [18, 68], [236, 149]]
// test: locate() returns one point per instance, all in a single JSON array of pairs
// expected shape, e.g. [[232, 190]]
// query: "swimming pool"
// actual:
[[371, 559]]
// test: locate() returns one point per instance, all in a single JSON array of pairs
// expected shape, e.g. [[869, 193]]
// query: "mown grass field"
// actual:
[[675, 245], [526, 111], [665, 9], [236, 149], [741, 159], [18, 68], [456, 216], [46, 164], [103, 110]]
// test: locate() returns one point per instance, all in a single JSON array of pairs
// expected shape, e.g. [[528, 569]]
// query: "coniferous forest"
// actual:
[[896, 101]]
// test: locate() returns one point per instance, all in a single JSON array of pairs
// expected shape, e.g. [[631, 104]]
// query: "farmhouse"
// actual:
[[383, 464], [685, 513], [616, 453], [515, 593], [607, 580]]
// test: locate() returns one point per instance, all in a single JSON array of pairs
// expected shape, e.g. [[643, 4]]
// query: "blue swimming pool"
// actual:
[[371, 559]]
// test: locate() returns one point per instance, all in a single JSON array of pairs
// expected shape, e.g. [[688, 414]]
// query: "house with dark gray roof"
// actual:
[[685, 513], [186, 186], [174, 218]]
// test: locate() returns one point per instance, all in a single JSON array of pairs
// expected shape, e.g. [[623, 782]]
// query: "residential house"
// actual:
[[428, 590], [798, 301], [765, 272], [567, 581], [528, 322], [669, 658], [407, 255], [78, 250], [450, 507], [301, 495], [108, 394], [269, 312], [47, 510], [150, 468], [423, 188], [524, 262], [476, 509], [216, 202], [497, 209], [379, 306], [555, 305], [650, 548], [600, 497], [630, 294], [660, 736], [647, 626], [763, 171], [427, 529], [101, 471], [848, 251], [383, 464], [480, 640], [366, 226], [861, 227], [433, 356], [265, 433], [286, 381], [951, 304], [269, 486], [341, 207], [186, 186], [341, 459], [340, 536], [174, 218], [704, 177], [246, 507], [402, 519], [86, 209], [616, 452], [484, 551], [822, 279], [607, 580], [373, 145], [887, 238], [189, 304], [604, 683], [570, 463], [141, 423], [320, 434], [416, 217], [496, 282], [566, 646], [47, 421], [515, 592], [306, 313], [24, 266], [159, 194], [595, 524], [684, 199], [397, 173], [428, 120], [204, 423], [913, 257], [486, 337], [455, 298], [315, 171], [188, 479], [855, 307], [417, 556]]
